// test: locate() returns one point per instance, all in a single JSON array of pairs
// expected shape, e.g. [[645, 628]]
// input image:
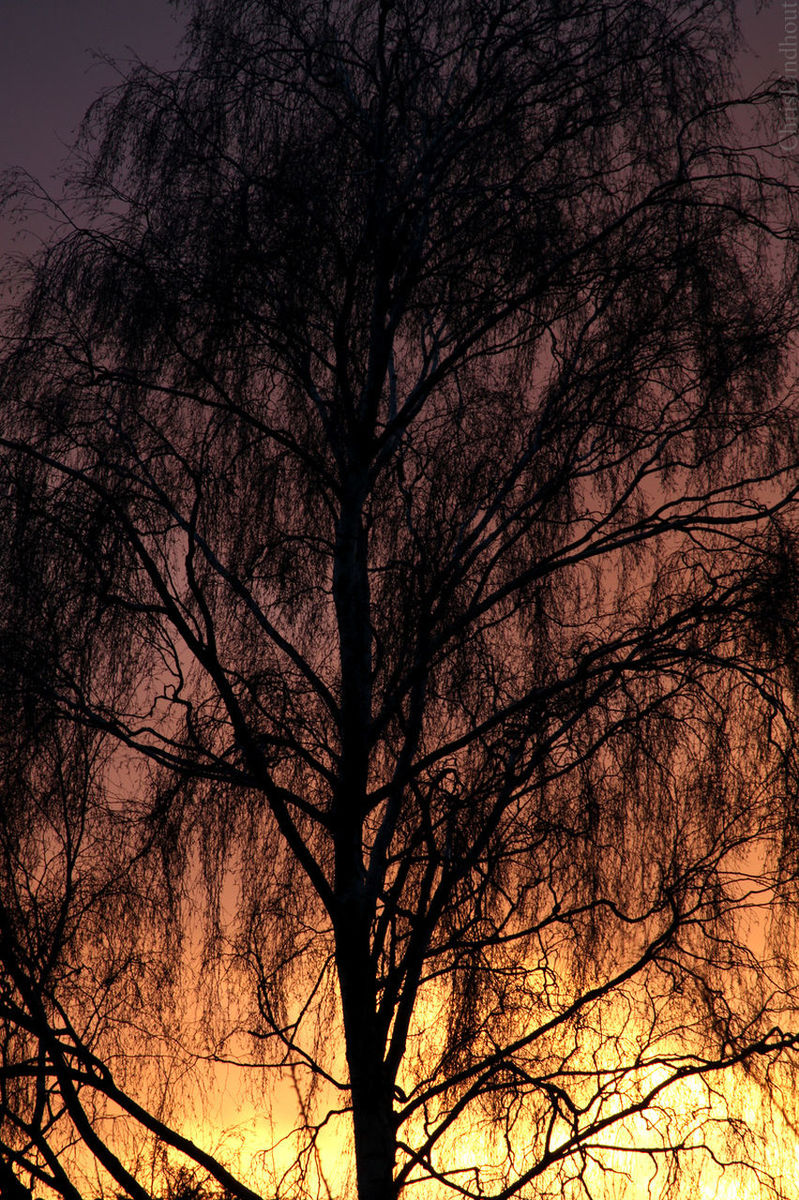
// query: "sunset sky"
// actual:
[[444, 809], [50, 73]]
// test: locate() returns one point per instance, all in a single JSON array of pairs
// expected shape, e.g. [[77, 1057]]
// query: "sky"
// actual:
[[50, 73]]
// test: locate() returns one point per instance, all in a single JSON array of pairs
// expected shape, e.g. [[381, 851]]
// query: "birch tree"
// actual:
[[399, 470]]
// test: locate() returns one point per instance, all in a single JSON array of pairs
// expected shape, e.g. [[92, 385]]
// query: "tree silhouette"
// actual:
[[399, 471]]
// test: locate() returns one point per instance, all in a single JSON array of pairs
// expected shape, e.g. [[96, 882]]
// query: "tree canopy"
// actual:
[[398, 472]]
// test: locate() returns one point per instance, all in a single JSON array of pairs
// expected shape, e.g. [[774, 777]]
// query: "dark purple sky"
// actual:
[[48, 75]]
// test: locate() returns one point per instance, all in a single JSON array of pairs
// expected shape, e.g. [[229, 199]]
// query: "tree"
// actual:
[[399, 485]]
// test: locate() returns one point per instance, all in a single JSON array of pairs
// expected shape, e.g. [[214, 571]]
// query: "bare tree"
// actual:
[[399, 470]]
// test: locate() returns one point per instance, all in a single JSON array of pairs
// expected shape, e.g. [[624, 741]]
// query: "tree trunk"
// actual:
[[372, 1090]]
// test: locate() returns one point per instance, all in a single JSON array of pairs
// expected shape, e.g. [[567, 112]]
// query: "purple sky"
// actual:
[[48, 75]]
